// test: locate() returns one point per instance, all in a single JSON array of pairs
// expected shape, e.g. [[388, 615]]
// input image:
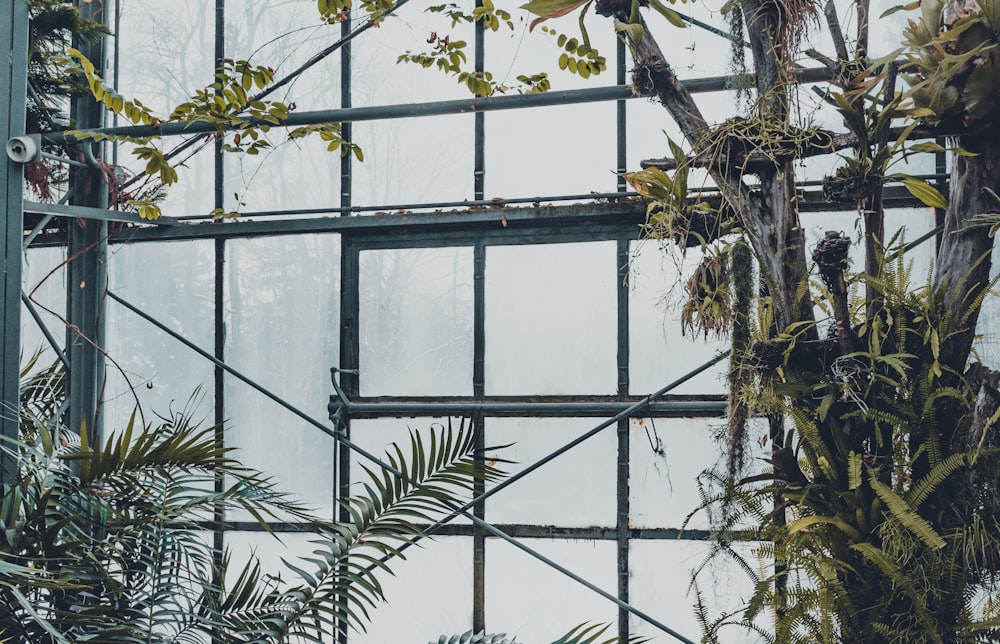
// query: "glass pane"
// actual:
[[988, 328], [667, 456], [284, 35], [414, 161], [528, 599], [429, 596], [555, 494], [48, 295], [660, 586], [569, 158], [415, 322], [173, 283], [658, 352], [551, 319], [166, 53], [283, 332]]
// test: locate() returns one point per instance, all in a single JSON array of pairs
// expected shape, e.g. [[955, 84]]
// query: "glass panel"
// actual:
[[429, 596], [527, 598], [667, 456], [548, 151], [551, 319], [563, 150], [377, 436], [660, 586], [295, 174], [172, 282], [48, 294], [658, 352], [414, 161], [283, 332], [415, 322], [149, 38], [555, 494], [987, 343]]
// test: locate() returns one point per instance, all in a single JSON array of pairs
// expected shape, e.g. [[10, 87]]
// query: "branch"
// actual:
[[757, 160], [830, 11]]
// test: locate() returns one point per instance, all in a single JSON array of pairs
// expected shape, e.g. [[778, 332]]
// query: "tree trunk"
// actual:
[[769, 215], [964, 258]]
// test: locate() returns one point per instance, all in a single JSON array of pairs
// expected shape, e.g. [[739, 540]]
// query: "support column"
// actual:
[[14, 49], [87, 271]]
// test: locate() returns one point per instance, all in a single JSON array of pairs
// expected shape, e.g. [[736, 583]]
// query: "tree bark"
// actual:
[[769, 215], [964, 258]]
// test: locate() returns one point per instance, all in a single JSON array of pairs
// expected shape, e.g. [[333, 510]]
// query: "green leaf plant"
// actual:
[[242, 121], [105, 542], [879, 509]]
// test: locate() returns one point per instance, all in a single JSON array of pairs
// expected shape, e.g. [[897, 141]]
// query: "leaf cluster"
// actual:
[[867, 506], [105, 542], [957, 59]]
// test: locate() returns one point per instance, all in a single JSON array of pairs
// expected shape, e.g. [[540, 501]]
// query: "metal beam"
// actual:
[[86, 271], [13, 99], [674, 408], [460, 106], [90, 213]]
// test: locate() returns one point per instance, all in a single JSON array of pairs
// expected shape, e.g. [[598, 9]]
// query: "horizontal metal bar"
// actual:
[[100, 214], [67, 161], [488, 221], [518, 531], [451, 205], [624, 213], [460, 106], [663, 408]]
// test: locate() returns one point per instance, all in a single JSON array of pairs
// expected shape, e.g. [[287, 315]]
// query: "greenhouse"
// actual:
[[641, 321]]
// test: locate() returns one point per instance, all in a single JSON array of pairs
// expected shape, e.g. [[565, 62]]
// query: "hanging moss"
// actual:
[[742, 279]]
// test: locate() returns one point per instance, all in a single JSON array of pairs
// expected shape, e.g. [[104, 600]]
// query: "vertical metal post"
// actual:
[[348, 297], [87, 270], [218, 536], [621, 120], [479, 172], [478, 391], [479, 348], [349, 350], [13, 48], [622, 523], [347, 129]]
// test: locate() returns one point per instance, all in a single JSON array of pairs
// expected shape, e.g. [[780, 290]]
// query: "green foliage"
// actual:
[[670, 214], [227, 104], [488, 14], [871, 121], [334, 11], [870, 515], [449, 57], [105, 542], [53, 25], [137, 113], [956, 78], [342, 580], [578, 56], [332, 134]]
